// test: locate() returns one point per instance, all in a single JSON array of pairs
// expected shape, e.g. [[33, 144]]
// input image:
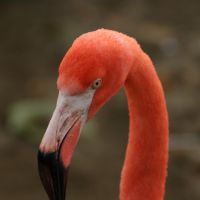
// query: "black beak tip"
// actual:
[[53, 174]]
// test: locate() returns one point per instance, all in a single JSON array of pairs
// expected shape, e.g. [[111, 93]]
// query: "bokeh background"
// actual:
[[35, 35]]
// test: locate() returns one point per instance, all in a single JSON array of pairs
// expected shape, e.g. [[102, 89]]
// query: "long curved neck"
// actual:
[[145, 166]]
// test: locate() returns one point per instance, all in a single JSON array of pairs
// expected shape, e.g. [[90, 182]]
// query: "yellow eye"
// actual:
[[97, 83]]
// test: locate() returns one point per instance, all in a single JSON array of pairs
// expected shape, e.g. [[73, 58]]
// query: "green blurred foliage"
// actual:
[[28, 119]]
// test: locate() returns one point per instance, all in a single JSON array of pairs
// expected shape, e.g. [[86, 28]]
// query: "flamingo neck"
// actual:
[[144, 172]]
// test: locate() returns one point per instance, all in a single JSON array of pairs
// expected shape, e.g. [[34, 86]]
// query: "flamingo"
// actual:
[[96, 66]]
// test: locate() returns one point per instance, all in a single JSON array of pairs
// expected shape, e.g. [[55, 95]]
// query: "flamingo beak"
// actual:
[[53, 174], [59, 142]]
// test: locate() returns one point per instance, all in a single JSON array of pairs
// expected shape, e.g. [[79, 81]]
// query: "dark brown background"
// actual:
[[34, 36]]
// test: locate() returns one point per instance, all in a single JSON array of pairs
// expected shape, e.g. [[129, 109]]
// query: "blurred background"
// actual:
[[34, 37]]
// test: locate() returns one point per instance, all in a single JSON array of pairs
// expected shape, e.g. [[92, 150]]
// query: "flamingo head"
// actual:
[[91, 72]]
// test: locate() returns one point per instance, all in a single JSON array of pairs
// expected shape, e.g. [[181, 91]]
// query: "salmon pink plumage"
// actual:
[[111, 60]]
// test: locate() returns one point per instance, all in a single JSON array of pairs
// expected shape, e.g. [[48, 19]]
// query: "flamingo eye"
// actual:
[[97, 83]]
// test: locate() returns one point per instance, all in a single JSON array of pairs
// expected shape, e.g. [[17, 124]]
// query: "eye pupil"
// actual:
[[96, 83]]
